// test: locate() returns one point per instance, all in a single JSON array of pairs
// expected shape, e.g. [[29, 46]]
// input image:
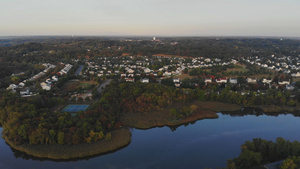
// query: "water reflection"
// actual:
[[256, 112]]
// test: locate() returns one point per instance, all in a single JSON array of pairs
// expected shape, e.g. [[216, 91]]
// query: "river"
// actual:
[[206, 143]]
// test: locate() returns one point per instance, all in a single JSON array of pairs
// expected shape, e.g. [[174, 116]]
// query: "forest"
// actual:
[[29, 120], [259, 151]]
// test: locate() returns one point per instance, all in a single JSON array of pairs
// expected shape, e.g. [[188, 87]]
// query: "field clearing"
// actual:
[[240, 68], [70, 85], [75, 84], [85, 84], [184, 76]]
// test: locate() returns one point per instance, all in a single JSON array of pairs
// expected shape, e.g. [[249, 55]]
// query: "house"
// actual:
[[208, 80], [222, 80], [11, 87], [296, 74], [55, 78], [167, 74], [233, 80], [130, 71], [145, 80], [21, 85], [251, 80], [45, 86], [176, 80], [289, 87], [48, 81], [266, 81], [24, 92], [284, 82], [129, 79], [147, 70]]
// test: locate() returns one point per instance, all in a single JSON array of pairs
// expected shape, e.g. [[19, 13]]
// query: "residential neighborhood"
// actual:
[[146, 70]]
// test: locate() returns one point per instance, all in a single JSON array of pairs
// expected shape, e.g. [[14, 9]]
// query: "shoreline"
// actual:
[[68, 152], [160, 118], [122, 137], [277, 109]]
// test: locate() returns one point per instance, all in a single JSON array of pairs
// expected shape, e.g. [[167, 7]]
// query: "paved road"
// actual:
[[78, 71], [103, 85]]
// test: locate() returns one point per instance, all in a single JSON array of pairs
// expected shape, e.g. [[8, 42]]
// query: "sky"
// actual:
[[150, 17]]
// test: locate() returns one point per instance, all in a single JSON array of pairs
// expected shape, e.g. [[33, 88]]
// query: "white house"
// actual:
[[296, 74], [283, 82], [233, 80], [11, 87], [176, 80], [21, 85], [145, 80], [147, 70], [208, 80], [24, 92], [266, 81], [55, 78], [167, 74], [251, 80], [289, 87], [45, 86], [130, 71]]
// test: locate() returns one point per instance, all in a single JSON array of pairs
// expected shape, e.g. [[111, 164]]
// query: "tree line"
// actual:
[[260, 151]]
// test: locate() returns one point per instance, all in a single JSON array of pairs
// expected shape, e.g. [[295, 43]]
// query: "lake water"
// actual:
[[206, 143]]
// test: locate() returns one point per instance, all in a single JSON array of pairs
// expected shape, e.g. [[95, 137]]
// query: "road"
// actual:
[[102, 86]]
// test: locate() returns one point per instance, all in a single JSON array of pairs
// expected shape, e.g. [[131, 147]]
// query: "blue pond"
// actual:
[[206, 143], [75, 108]]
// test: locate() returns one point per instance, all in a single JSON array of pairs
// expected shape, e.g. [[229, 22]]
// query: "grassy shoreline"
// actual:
[[120, 138]]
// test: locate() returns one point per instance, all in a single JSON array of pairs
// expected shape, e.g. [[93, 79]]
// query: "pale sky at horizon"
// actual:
[[150, 17]]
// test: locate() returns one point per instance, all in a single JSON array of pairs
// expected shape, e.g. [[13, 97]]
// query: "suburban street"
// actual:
[[102, 86]]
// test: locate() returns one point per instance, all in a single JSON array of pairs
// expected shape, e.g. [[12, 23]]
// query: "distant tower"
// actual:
[[154, 38]]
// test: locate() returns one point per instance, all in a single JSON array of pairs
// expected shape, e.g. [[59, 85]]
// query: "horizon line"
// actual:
[[157, 36]]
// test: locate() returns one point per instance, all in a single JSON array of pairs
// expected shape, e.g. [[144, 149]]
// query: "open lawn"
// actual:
[[240, 68], [75, 84], [86, 84], [184, 76]]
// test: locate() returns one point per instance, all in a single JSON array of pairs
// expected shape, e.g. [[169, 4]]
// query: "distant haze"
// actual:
[[150, 17]]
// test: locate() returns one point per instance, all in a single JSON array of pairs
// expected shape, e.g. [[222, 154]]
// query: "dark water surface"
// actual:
[[206, 143]]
